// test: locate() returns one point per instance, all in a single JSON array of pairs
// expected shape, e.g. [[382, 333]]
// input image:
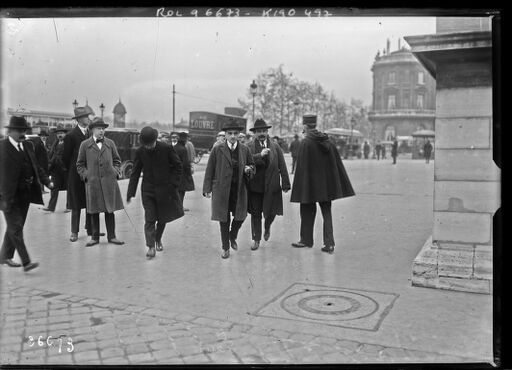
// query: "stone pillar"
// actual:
[[458, 255]]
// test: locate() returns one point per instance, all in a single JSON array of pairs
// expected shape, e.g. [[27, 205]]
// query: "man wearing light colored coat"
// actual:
[[98, 164]]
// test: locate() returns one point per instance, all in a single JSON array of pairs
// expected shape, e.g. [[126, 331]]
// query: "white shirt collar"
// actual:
[[232, 146], [84, 130], [15, 143]]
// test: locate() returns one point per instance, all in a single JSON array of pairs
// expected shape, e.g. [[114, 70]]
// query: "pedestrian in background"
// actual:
[[98, 165], [241, 138], [21, 177], [294, 150], [366, 149], [191, 151], [187, 182], [270, 179], [383, 151], [394, 150], [76, 187], [174, 138], [378, 149], [427, 150], [41, 152], [56, 168], [224, 182], [220, 139], [320, 178], [162, 170]]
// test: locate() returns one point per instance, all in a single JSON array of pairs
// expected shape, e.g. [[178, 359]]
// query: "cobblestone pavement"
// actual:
[[94, 331]]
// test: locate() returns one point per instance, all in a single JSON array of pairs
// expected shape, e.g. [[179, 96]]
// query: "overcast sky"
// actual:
[[47, 63]]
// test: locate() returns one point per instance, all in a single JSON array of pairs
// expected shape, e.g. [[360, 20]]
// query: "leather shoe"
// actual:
[[46, 209], [186, 209], [328, 248], [266, 236], [225, 253], [10, 263], [116, 241], [301, 245], [92, 242], [255, 245], [30, 266], [159, 246], [67, 210], [151, 252], [233, 244], [73, 237]]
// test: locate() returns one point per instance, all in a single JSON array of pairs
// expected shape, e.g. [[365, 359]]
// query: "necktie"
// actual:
[[19, 147], [263, 144], [99, 140]]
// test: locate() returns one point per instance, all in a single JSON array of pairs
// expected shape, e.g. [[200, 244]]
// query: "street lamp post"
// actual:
[[296, 102], [102, 108], [75, 104], [351, 147], [254, 89]]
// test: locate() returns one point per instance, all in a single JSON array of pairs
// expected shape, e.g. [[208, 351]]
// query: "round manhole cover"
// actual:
[[330, 305]]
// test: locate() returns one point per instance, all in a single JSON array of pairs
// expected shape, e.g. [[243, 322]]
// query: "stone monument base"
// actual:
[[466, 268]]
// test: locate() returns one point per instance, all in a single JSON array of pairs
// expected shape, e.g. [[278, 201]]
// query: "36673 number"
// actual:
[[50, 341]]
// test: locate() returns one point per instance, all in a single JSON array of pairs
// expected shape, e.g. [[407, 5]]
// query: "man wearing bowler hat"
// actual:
[[162, 169], [75, 186], [56, 168], [229, 164], [270, 179], [20, 184], [187, 181], [98, 165], [320, 177]]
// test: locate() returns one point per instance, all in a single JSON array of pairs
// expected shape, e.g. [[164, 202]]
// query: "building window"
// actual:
[[419, 101], [391, 78], [406, 100], [391, 102], [421, 78], [390, 133]]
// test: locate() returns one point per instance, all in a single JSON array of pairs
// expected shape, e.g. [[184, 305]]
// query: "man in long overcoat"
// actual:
[[394, 150], [270, 179], [75, 186], [187, 181], [56, 168], [162, 170], [427, 151], [20, 184], [98, 165], [320, 177], [224, 182]]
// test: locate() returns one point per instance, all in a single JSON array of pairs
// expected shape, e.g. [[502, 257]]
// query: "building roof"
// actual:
[[119, 108]]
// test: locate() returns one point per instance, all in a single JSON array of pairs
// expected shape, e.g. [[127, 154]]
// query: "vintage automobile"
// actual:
[[203, 129], [348, 142]]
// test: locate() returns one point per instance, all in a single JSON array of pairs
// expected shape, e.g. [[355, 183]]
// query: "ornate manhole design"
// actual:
[[350, 308]]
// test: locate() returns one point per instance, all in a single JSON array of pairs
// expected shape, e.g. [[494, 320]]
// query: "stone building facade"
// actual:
[[403, 95], [459, 255], [119, 115]]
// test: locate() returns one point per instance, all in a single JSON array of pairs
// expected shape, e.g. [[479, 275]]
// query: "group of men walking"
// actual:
[[240, 179], [250, 179]]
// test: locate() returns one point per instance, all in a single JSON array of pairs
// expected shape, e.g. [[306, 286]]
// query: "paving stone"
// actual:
[[184, 317], [253, 359], [178, 333], [394, 353], [140, 357], [280, 333], [106, 334], [165, 354], [259, 330], [81, 330], [196, 359], [13, 347], [348, 344], [370, 348], [224, 357], [135, 348], [59, 319], [156, 336], [337, 358], [7, 357], [277, 357], [111, 352], [133, 339], [302, 337], [86, 356], [115, 361], [85, 346], [244, 350], [107, 343], [324, 340], [161, 344], [66, 326]]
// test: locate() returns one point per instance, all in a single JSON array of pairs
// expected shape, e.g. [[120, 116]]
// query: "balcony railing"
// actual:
[[402, 112]]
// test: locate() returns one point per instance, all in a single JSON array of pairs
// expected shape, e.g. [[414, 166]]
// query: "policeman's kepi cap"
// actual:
[[309, 120]]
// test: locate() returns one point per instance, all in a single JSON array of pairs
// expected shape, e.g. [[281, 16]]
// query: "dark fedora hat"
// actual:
[[98, 122], [82, 112], [183, 136], [309, 119], [260, 124], [17, 122], [232, 125], [148, 135], [43, 133], [60, 128]]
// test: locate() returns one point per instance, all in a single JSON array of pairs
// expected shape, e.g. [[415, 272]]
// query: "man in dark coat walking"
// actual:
[[427, 151], [228, 166], [320, 177], [20, 184], [366, 149], [378, 149], [294, 150], [394, 150], [76, 187], [56, 168], [270, 179], [162, 170], [187, 182]]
